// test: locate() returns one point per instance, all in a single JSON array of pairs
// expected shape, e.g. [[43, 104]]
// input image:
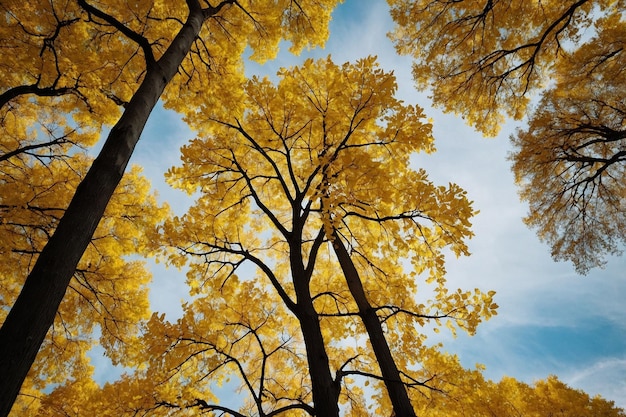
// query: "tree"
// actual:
[[90, 62], [570, 159], [320, 160], [485, 60], [107, 294]]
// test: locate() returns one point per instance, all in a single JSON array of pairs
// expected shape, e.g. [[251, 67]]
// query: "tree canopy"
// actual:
[[72, 68], [317, 162], [487, 59], [315, 250], [107, 296], [570, 159], [303, 171]]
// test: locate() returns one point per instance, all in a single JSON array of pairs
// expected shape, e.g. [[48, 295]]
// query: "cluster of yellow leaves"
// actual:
[[57, 45], [213, 343], [65, 74], [465, 392], [458, 392], [569, 161], [452, 390], [482, 58], [108, 294], [326, 148], [52, 46], [257, 25]]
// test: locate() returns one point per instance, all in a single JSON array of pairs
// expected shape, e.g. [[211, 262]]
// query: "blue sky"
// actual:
[[550, 321]]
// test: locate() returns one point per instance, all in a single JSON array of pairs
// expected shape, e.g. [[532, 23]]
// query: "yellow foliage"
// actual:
[[569, 161], [108, 294], [326, 148], [279, 168], [465, 392], [67, 72], [483, 59]]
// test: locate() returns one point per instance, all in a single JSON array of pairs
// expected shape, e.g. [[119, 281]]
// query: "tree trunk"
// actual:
[[325, 390], [34, 311], [395, 387]]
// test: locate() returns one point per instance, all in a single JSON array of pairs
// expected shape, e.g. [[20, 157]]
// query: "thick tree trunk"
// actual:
[[395, 387], [34, 311], [325, 390]]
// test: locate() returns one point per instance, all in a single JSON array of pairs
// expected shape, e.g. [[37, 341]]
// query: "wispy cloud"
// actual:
[[606, 377]]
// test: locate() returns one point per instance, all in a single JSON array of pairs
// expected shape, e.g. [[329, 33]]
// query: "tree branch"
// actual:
[[141, 41]]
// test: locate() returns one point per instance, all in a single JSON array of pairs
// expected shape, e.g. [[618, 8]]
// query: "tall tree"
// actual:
[[107, 295], [95, 61], [485, 59], [320, 159]]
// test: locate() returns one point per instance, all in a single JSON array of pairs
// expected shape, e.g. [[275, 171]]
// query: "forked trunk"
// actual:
[[325, 390]]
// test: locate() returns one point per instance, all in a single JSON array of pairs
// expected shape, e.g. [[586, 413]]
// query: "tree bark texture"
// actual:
[[395, 387], [34, 311], [325, 389]]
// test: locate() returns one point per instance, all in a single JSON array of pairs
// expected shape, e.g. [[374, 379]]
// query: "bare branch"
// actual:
[[141, 41]]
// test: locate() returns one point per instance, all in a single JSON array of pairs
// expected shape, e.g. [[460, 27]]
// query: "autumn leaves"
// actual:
[[72, 68], [487, 60], [315, 163], [311, 234]]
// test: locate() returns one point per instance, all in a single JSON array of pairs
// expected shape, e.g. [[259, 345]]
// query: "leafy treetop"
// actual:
[[486, 59]]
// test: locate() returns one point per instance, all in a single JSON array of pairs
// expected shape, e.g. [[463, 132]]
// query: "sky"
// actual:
[[550, 320]]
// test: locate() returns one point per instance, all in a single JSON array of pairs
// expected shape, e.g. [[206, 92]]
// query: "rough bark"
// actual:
[[325, 389], [395, 387], [34, 311]]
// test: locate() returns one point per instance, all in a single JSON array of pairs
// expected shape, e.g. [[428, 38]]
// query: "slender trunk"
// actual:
[[395, 387], [325, 390], [33, 313]]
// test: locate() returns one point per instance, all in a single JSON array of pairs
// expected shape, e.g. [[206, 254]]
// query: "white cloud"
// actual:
[[605, 377]]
